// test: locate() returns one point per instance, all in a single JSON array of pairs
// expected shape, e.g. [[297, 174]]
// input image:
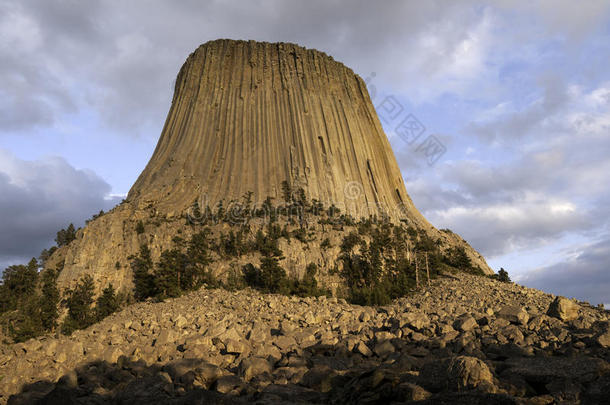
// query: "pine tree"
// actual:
[[198, 254], [286, 193], [65, 236], [18, 282], [503, 276], [272, 275], [107, 303], [169, 272], [79, 301], [49, 299], [26, 322], [143, 279]]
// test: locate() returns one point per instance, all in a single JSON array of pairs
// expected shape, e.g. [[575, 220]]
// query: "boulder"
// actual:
[[384, 348], [514, 314], [456, 374], [466, 372], [253, 366], [563, 309], [465, 323], [363, 349]]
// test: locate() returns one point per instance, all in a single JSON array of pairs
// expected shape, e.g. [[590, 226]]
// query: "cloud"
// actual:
[[120, 59], [586, 276], [544, 183], [37, 198]]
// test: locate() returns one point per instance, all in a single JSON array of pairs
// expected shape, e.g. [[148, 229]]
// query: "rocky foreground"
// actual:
[[464, 339]]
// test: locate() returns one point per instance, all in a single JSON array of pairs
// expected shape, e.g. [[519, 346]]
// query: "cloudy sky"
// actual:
[[518, 93]]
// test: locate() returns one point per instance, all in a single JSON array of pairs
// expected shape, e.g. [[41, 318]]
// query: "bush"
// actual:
[[140, 227]]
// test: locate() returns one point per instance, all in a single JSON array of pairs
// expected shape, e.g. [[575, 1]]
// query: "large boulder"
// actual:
[[514, 314], [455, 374], [253, 366], [563, 309]]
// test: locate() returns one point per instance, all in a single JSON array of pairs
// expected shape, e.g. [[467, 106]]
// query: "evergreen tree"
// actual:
[[268, 210], [308, 286], [79, 301], [251, 275], [286, 193], [220, 211], [169, 272], [457, 257], [143, 280], [46, 254], [107, 303], [49, 299], [272, 275], [503, 276], [199, 258], [350, 241], [140, 227], [26, 322], [65, 236], [18, 282]]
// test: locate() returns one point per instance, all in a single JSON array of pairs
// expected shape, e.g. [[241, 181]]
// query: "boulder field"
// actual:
[[462, 340]]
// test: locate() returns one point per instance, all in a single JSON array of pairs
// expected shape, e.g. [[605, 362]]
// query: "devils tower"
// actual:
[[246, 117]]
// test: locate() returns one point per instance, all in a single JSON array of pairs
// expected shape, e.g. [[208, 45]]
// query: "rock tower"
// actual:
[[245, 117]]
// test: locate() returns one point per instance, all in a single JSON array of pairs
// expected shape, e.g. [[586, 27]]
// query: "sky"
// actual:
[[516, 95]]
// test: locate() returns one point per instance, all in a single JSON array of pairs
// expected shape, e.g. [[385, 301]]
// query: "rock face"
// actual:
[[248, 115], [216, 346], [245, 117]]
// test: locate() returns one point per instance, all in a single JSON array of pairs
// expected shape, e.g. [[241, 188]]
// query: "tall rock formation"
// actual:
[[248, 115], [245, 117]]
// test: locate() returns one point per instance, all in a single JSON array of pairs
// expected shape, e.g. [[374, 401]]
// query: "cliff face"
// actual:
[[245, 117], [248, 115]]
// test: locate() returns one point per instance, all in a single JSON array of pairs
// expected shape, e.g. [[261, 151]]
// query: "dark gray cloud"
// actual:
[[119, 59], [37, 198], [586, 276]]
